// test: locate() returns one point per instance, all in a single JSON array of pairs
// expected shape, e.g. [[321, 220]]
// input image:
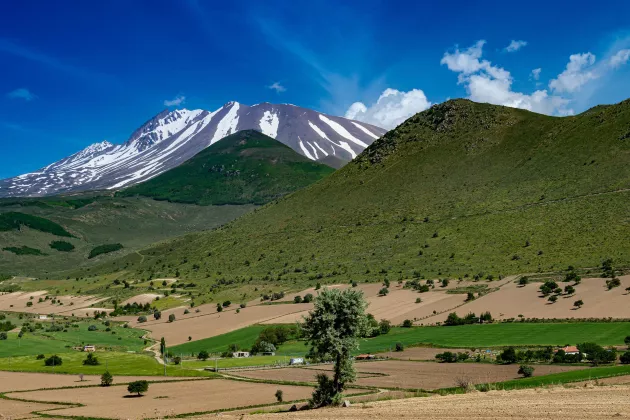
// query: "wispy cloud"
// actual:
[[22, 93], [515, 46], [12, 48], [620, 58], [535, 74], [277, 87], [177, 101]]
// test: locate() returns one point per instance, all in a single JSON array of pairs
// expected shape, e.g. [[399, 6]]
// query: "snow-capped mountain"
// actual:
[[172, 137]]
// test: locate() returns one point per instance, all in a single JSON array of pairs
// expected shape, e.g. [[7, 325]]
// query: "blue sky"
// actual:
[[79, 72]]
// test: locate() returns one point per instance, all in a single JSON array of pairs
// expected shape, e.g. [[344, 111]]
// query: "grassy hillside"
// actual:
[[247, 167], [460, 189], [135, 223]]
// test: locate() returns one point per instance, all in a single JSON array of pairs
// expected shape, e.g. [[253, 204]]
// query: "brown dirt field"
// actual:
[[141, 299], [421, 353], [18, 381], [17, 302], [512, 300], [21, 410], [200, 325], [412, 375], [166, 398], [540, 404]]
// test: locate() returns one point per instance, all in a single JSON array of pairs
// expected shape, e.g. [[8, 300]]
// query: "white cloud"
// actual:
[[177, 101], [392, 108], [277, 87], [22, 93], [535, 74], [492, 84], [620, 58], [579, 71], [515, 46]]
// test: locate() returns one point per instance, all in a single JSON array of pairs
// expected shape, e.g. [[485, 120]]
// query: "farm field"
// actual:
[[16, 302], [164, 399], [410, 375], [556, 403]]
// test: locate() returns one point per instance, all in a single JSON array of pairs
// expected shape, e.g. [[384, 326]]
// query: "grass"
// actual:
[[236, 362], [244, 338], [465, 336], [566, 377], [247, 167], [104, 249], [475, 187], [117, 364]]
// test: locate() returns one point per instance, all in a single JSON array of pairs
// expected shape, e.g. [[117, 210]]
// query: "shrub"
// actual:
[[53, 360], [61, 246], [186, 311], [106, 379], [29, 304], [383, 292], [325, 393], [3, 335], [177, 360], [138, 387], [243, 305], [445, 282], [142, 319], [523, 281], [526, 371], [446, 357], [279, 395], [418, 300], [226, 303], [553, 299], [203, 355], [219, 307], [157, 315], [399, 347], [627, 340], [91, 360], [470, 296], [578, 303], [297, 299], [92, 328], [104, 249], [625, 358], [407, 323], [308, 298], [171, 318], [508, 356], [384, 326], [40, 357]]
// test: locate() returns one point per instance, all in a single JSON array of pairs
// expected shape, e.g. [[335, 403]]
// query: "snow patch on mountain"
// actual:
[[269, 124]]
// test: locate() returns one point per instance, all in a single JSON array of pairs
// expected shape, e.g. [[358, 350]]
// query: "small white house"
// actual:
[[42, 317], [89, 348], [296, 361], [240, 354]]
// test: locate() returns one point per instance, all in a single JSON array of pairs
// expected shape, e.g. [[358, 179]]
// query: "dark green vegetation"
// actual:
[[15, 220], [104, 249], [23, 250], [247, 167], [62, 246], [96, 220], [462, 188]]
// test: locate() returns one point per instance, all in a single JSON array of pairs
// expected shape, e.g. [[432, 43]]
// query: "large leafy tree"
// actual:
[[333, 329]]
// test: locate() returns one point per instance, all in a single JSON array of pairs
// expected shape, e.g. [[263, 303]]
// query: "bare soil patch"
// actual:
[[164, 399], [16, 302], [21, 410], [554, 403], [411, 375], [141, 299]]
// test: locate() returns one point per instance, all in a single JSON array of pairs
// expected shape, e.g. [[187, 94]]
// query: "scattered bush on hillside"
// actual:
[[279, 395], [157, 315], [407, 323], [23, 250], [131, 309], [107, 379], [384, 326], [3, 336], [453, 319], [171, 318], [569, 290], [523, 281], [383, 292], [6, 326], [92, 328], [40, 357], [612, 283], [507, 356], [399, 347], [607, 268], [596, 354], [203, 355], [62, 246], [104, 249], [53, 360], [91, 360], [297, 299], [625, 358], [578, 303], [219, 307]]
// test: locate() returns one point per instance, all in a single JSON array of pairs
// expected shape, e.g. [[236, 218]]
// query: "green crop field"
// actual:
[[235, 362], [117, 364], [467, 336]]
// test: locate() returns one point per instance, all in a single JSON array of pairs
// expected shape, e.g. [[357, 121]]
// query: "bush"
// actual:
[[186, 311], [325, 393], [279, 395], [383, 292], [219, 307], [407, 323], [508, 356], [627, 340], [384, 326], [171, 318], [53, 360], [138, 387], [203, 355], [446, 357], [243, 305], [399, 347], [625, 358], [142, 319], [104, 249], [157, 315], [226, 303], [40, 357], [526, 371], [578, 303], [29, 304], [418, 300], [3, 335], [523, 281], [308, 298], [91, 360], [297, 299], [106, 379], [62, 246]]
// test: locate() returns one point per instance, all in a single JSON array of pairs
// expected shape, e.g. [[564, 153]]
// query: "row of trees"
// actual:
[[453, 319]]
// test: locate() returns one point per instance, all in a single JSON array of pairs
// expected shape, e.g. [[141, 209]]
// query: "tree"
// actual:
[[627, 340], [399, 347], [308, 298], [162, 346], [625, 358], [569, 290], [91, 360], [92, 328], [445, 282], [297, 299], [553, 299], [407, 323], [219, 307], [526, 371], [142, 319], [446, 357], [523, 281], [157, 315], [384, 326], [279, 395], [3, 335], [53, 360], [171, 318], [578, 303], [332, 329], [203, 355], [508, 355], [106, 379], [138, 387], [470, 296], [177, 360], [383, 292]]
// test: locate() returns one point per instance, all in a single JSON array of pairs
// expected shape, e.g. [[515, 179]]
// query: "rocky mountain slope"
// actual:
[[173, 137]]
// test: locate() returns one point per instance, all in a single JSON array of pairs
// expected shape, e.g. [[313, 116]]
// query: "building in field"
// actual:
[[240, 354], [89, 348]]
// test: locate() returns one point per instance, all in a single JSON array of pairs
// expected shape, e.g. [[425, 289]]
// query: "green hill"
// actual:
[[247, 167], [460, 189]]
